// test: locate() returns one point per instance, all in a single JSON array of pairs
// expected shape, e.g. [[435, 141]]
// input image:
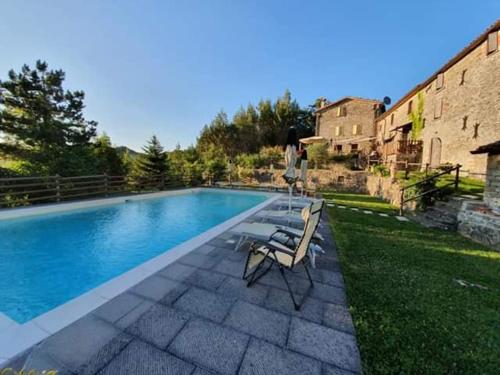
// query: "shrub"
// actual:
[[271, 155], [249, 161], [381, 170], [318, 154]]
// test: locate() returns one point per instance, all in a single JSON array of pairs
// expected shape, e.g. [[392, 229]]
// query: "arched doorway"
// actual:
[[435, 156]]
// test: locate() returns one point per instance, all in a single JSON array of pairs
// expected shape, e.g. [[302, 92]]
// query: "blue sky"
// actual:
[[167, 67]]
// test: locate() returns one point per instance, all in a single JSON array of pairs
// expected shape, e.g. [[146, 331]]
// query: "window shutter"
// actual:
[[492, 42], [339, 111], [344, 111]]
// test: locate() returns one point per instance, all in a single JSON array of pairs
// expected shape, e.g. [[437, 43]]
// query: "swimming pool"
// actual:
[[50, 259]]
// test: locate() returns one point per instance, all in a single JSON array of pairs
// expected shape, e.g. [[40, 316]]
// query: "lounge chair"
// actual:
[[290, 217], [286, 259]]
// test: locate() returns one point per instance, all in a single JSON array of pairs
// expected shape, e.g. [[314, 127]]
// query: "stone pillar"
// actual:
[[492, 187]]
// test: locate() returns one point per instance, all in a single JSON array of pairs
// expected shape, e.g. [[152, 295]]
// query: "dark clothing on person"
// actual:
[[303, 155]]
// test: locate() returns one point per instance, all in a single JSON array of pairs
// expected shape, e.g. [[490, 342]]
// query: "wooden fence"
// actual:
[[25, 191]]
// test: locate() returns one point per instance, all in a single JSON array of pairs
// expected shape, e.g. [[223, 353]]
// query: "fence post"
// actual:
[[58, 188], [457, 177], [401, 201], [105, 184], [407, 169]]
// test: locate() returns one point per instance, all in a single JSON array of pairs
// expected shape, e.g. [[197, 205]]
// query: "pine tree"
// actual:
[[43, 124], [154, 160]]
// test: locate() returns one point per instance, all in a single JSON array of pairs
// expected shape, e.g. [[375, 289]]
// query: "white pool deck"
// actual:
[[16, 338]]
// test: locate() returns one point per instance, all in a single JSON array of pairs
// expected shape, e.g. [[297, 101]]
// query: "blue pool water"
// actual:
[[50, 259]]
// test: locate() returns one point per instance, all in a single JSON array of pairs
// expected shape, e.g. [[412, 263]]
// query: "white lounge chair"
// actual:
[[275, 253]]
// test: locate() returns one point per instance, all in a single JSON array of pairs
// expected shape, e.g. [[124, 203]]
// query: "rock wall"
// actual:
[[337, 177], [480, 224]]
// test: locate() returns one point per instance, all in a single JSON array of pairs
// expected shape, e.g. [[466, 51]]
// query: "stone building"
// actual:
[[481, 220], [460, 110], [347, 124]]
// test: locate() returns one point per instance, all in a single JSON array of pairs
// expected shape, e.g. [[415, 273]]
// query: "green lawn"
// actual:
[[466, 185], [410, 314]]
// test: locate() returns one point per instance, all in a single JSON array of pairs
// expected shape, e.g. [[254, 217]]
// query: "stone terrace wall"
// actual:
[[337, 177], [384, 188]]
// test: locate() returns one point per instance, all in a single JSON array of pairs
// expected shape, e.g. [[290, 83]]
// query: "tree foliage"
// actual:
[[43, 124], [153, 162], [252, 128]]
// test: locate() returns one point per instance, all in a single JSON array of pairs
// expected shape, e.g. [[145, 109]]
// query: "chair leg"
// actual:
[[254, 278], [295, 304], [308, 274]]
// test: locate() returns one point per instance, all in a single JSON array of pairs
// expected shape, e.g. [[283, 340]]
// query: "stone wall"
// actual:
[[462, 115], [385, 188], [359, 113], [480, 224], [337, 177]]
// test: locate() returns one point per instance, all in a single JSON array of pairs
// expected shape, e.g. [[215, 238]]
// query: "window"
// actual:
[[492, 44], [439, 81], [462, 81], [340, 179], [438, 107], [423, 123], [356, 130], [354, 147], [392, 119], [410, 106], [339, 131], [338, 148], [341, 111], [464, 122]]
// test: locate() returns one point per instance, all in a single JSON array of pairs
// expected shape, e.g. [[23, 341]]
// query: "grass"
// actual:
[[466, 185], [411, 316], [362, 201]]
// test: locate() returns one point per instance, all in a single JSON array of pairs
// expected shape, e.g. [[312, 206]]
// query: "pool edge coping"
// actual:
[[18, 338]]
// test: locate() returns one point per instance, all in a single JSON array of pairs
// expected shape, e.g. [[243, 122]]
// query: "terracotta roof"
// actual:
[[345, 99], [473, 45], [491, 148]]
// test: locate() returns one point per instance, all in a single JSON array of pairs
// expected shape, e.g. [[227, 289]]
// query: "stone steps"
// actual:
[[442, 215]]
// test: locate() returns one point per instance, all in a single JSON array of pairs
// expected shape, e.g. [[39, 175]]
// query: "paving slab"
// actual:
[[205, 249], [159, 325], [77, 345], [264, 358], [383, 215], [332, 370], [205, 303], [118, 307], [332, 278], [230, 268], [402, 218], [132, 316], [198, 260], [329, 293], [206, 279], [236, 288], [259, 322], [325, 344], [178, 271], [279, 300], [142, 358], [210, 346], [156, 288], [338, 317]]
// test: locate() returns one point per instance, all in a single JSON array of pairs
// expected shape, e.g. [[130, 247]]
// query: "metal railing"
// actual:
[[25, 191], [427, 181]]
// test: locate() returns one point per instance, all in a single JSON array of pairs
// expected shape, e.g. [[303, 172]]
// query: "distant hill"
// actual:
[[123, 149]]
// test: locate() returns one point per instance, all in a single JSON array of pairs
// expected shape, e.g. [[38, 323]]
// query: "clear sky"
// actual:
[[167, 67]]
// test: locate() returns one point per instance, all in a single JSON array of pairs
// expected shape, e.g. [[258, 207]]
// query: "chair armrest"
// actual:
[[272, 246]]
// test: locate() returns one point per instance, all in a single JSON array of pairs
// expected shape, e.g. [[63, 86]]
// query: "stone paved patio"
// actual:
[[197, 316]]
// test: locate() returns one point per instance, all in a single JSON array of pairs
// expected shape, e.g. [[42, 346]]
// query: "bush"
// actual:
[[318, 154], [249, 161], [381, 170], [271, 155]]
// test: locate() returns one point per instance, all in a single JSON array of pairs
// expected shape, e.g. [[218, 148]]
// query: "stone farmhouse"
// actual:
[[459, 107], [347, 124]]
